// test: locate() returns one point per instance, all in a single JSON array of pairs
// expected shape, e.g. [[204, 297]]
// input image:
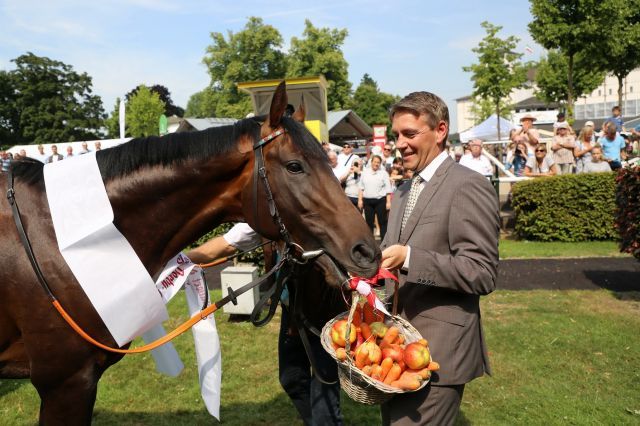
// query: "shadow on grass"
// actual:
[[276, 412], [617, 281], [7, 385]]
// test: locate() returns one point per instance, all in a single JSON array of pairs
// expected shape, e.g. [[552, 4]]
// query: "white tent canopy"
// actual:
[[488, 130]]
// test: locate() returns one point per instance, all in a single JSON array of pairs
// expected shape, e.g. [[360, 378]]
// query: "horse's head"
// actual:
[[308, 198]]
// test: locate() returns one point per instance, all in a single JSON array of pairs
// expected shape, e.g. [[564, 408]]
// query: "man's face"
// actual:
[[346, 149], [54, 149], [476, 149], [418, 143], [375, 164], [41, 149], [527, 123], [616, 112], [386, 151]]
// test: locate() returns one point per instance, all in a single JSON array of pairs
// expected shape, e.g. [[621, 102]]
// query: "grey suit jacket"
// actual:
[[453, 233]]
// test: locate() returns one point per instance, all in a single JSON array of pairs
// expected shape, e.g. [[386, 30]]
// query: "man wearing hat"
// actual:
[[528, 133], [562, 147]]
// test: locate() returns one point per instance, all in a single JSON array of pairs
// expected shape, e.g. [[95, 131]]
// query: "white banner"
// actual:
[[102, 260]]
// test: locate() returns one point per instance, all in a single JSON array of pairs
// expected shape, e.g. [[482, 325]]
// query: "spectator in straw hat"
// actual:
[[562, 147], [528, 133]]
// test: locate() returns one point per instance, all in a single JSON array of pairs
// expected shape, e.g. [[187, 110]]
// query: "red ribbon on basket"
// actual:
[[364, 287]]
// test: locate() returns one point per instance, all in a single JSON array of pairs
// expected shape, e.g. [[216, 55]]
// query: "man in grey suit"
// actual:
[[442, 238]]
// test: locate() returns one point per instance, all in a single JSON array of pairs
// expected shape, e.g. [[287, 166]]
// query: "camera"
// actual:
[[356, 175]]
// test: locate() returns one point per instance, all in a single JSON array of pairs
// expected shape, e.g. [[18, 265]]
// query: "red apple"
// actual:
[[339, 333], [416, 356], [395, 352]]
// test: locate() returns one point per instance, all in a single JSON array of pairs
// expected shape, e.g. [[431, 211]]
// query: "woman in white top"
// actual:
[[375, 194], [584, 145]]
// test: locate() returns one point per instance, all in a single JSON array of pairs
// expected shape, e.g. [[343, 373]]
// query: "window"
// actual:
[[599, 92], [630, 89], [609, 91]]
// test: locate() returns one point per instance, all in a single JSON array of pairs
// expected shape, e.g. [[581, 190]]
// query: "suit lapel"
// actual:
[[400, 198], [423, 199]]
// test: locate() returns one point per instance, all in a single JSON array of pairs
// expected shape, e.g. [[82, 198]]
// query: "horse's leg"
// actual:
[[68, 401]]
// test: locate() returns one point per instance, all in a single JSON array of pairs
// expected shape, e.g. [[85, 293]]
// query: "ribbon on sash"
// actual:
[[179, 272], [364, 286]]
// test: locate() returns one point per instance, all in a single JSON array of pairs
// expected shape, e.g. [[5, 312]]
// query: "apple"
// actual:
[[339, 333], [378, 329], [395, 352], [416, 356], [375, 354]]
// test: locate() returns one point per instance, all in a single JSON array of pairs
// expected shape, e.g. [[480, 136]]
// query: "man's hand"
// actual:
[[393, 257]]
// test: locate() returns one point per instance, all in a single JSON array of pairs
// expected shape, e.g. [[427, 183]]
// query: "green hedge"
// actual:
[[566, 208], [627, 216]]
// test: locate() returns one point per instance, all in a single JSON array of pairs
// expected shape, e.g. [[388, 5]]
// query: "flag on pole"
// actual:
[[121, 118], [528, 49]]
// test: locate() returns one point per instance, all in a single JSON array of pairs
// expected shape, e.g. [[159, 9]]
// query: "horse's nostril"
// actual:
[[362, 254]]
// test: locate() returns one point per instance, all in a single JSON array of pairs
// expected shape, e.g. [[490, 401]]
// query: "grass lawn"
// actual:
[[511, 249], [559, 357]]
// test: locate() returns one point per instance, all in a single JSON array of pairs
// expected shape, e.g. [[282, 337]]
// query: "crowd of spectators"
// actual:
[[7, 157]]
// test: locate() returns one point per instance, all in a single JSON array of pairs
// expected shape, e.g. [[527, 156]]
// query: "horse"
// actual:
[[165, 193]]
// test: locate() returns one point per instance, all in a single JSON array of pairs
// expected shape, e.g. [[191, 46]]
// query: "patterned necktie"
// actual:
[[411, 202]]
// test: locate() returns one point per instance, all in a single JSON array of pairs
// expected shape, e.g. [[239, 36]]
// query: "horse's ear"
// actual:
[[300, 112], [278, 105]]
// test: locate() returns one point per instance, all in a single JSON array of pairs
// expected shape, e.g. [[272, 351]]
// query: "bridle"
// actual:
[[294, 251]]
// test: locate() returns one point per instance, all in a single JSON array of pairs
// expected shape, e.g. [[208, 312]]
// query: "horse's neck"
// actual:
[[160, 210]]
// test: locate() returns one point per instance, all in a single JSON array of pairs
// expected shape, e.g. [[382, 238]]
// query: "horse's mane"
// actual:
[[175, 147]]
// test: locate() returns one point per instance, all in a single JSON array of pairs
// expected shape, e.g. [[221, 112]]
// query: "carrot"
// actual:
[[357, 316], [393, 374], [391, 334], [425, 373], [433, 366], [376, 372], [407, 383], [362, 356], [366, 331], [367, 313], [386, 365]]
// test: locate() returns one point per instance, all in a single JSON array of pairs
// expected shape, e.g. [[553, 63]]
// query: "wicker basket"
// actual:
[[360, 387]]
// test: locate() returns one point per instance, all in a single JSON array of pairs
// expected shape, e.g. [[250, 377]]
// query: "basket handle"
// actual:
[[394, 309], [354, 304]]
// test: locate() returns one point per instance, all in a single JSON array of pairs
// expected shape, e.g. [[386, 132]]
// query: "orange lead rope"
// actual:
[[161, 341]]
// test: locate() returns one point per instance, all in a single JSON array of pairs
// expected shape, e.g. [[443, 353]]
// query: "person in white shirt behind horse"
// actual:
[[475, 160]]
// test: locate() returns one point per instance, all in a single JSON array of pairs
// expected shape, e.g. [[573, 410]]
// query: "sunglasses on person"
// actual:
[[541, 150], [387, 149]]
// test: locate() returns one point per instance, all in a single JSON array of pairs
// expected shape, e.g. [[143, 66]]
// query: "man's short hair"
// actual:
[[423, 103], [616, 107]]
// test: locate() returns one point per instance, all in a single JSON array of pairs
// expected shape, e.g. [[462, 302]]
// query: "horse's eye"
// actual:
[[294, 167]]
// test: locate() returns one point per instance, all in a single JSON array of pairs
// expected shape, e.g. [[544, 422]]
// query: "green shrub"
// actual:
[[627, 215], [566, 208]]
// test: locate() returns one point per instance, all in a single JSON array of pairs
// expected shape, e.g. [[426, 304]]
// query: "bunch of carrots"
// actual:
[[380, 351]]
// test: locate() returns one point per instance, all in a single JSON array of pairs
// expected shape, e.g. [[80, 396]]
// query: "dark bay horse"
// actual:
[[165, 193]]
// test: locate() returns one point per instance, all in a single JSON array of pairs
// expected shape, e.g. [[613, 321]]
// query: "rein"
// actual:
[[289, 257]]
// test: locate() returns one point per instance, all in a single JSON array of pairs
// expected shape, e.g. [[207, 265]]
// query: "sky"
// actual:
[[404, 45]]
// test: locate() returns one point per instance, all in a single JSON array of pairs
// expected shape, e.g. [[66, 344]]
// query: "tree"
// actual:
[[112, 123], [572, 27], [370, 103], [498, 70], [551, 76], [165, 96], [319, 51], [481, 109], [251, 54], [46, 101], [142, 112], [619, 51], [202, 104]]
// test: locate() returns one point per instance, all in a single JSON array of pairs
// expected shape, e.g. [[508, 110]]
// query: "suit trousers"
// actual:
[[433, 405], [317, 403]]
